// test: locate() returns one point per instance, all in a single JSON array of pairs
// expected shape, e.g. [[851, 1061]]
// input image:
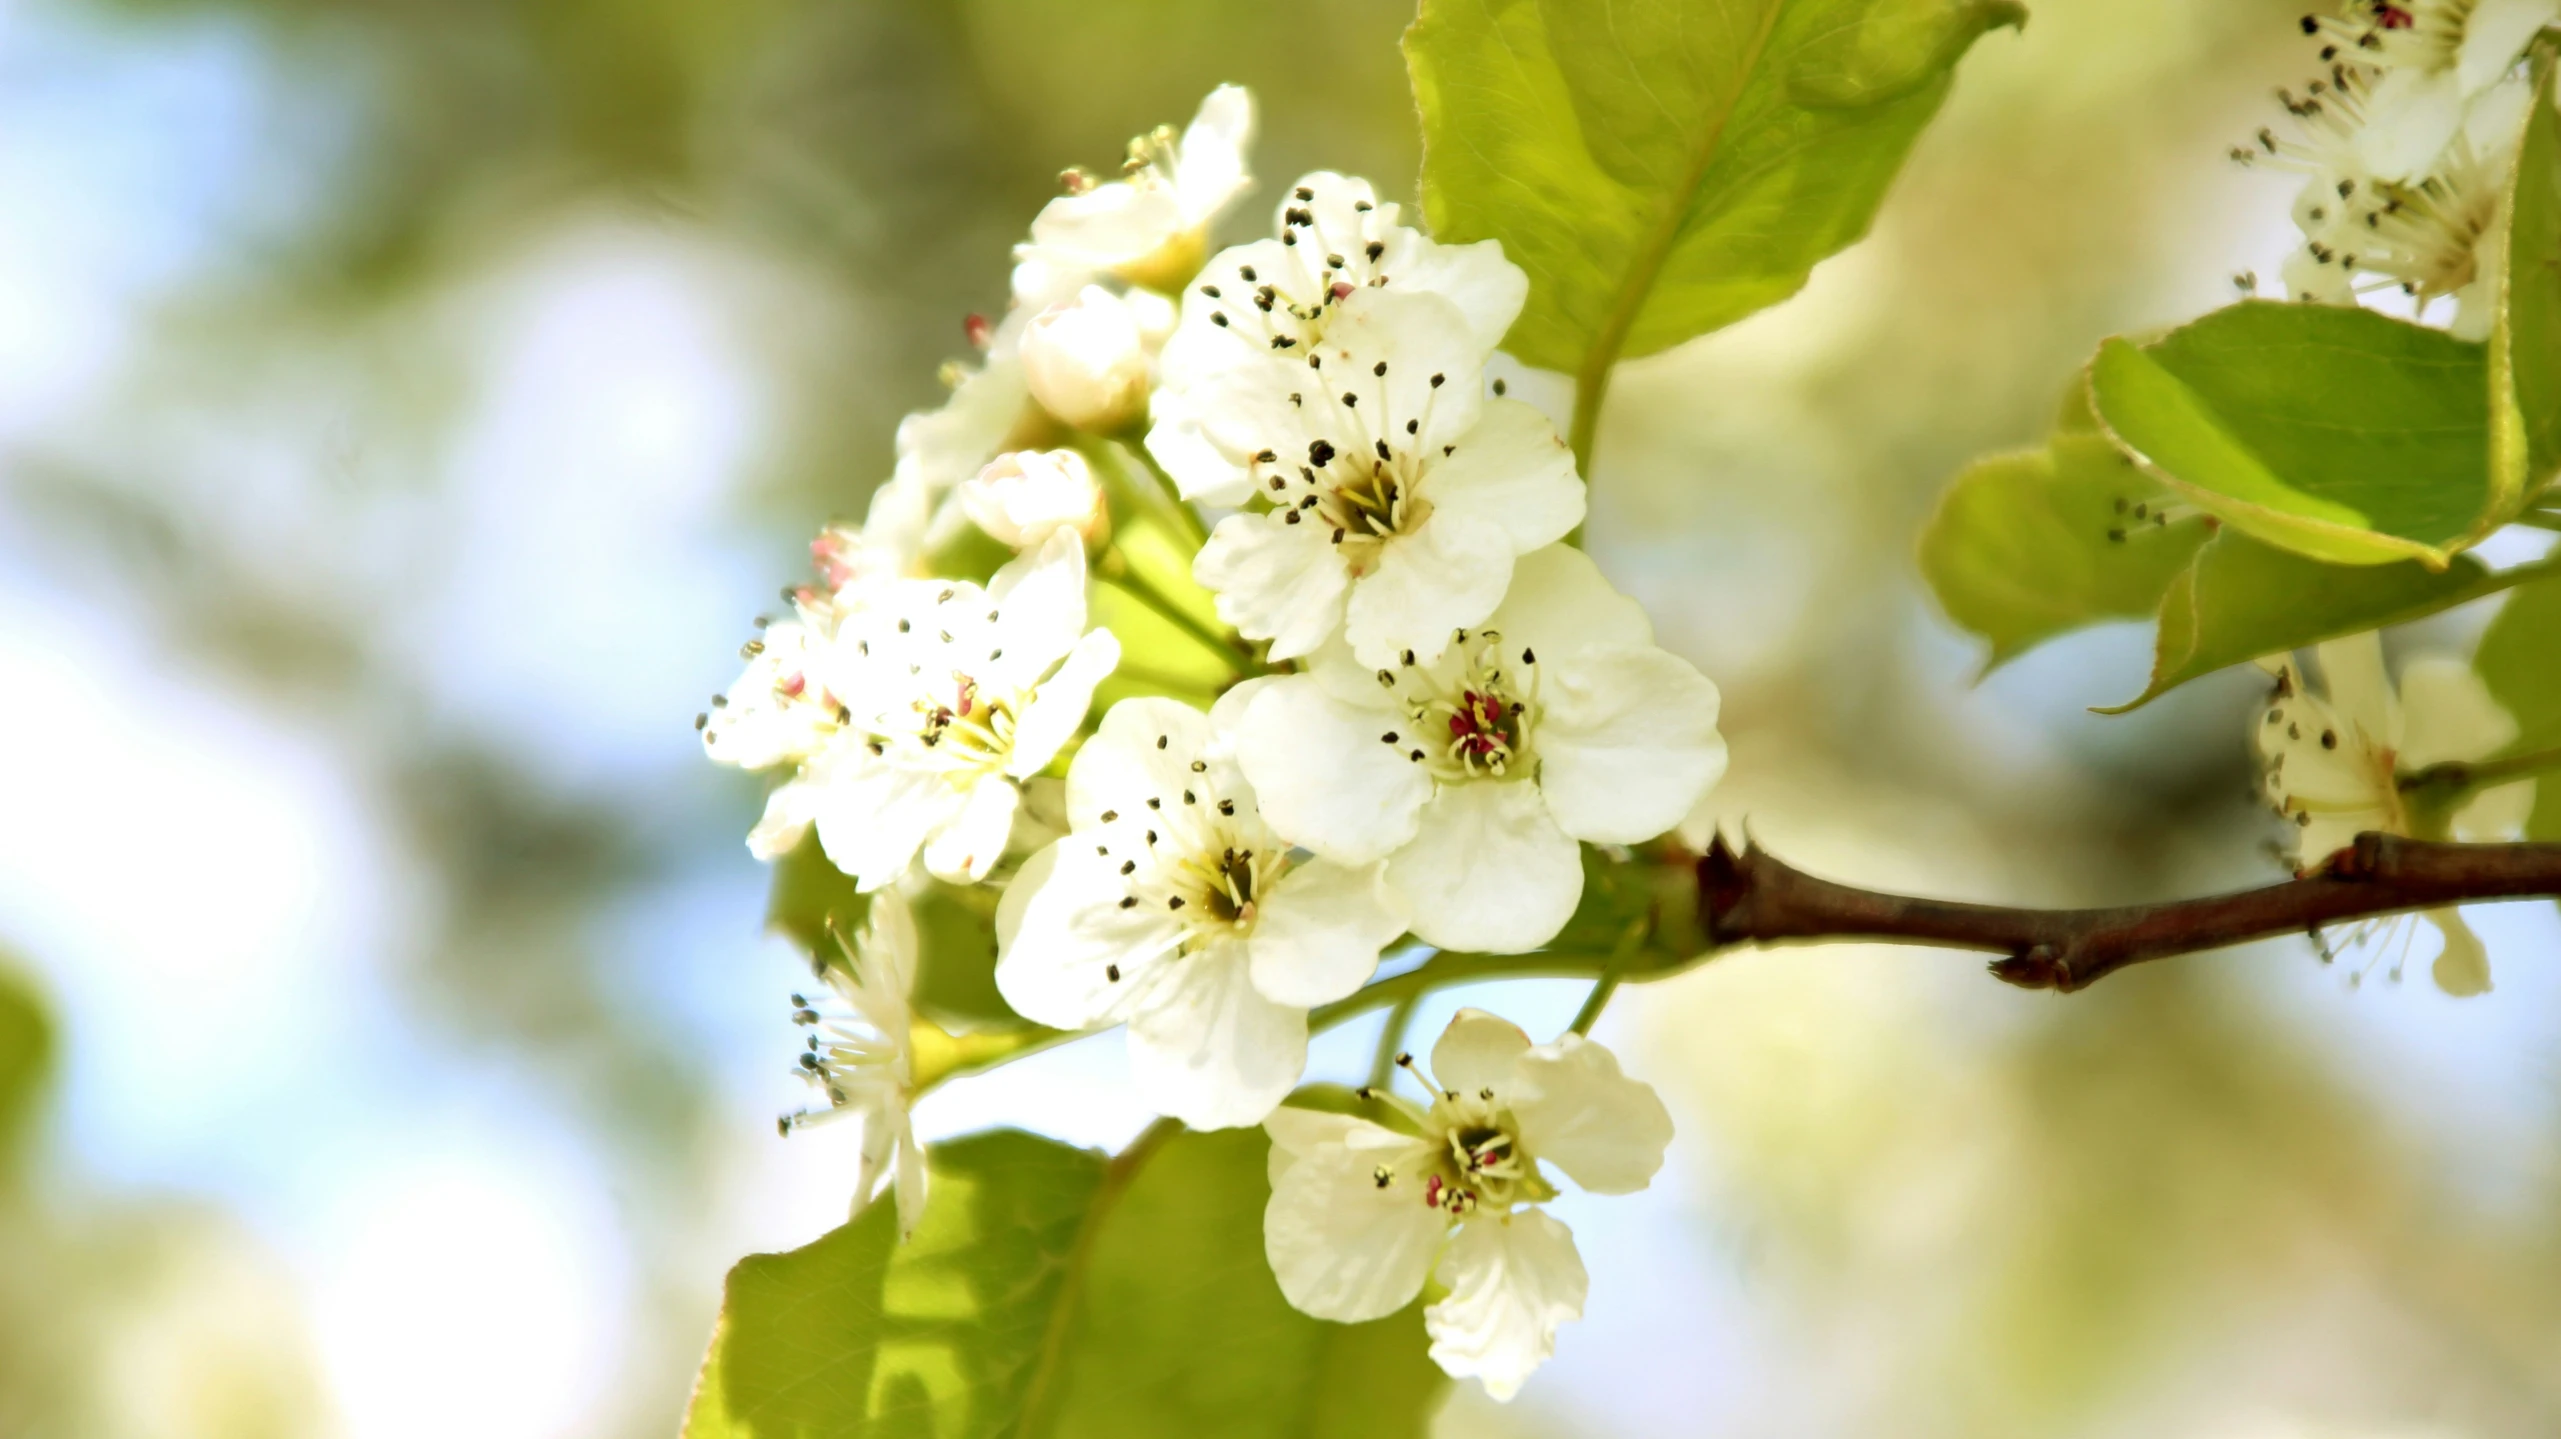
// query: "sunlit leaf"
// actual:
[[2337, 433], [2525, 348], [858, 1334], [2027, 547], [2242, 599], [2520, 660], [1665, 167], [1050, 1292]]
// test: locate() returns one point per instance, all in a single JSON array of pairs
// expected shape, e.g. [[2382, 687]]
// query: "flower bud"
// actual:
[[1023, 498], [1086, 361]]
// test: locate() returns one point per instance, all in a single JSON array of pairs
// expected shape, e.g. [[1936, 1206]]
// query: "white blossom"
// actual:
[[1258, 310], [1361, 1214], [1475, 775], [861, 1056], [2429, 60], [1150, 227], [1397, 495], [2334, 760], [951, 696], [779, 711], [1087, 361], [1024, 497], [1172, 907]]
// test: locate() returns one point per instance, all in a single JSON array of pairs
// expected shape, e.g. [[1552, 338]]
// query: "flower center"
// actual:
[[1477, 1160], [1471, 719], [1287, 308], [1361, 480]]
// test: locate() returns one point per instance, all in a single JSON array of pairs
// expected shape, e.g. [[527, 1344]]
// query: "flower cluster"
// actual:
[[2406, 141], [1431, 703], [2339, 761]]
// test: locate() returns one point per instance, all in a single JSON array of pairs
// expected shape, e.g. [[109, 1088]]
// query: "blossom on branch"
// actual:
[[2334, 763], [861, 1056], [1362, 1214], [951, 696], [1474, 775], [1171, 906], [1150, 227]]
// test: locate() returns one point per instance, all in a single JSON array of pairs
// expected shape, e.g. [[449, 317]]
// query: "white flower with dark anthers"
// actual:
[[1361, 1214], [2334, 762], [2430, 59], [951, 696], [1275, 300], [1024, 497], [1475, 775], [1151, 226], [861, 1054], [1172, 907], [779, 711], [2441, 235], [1399, 495]]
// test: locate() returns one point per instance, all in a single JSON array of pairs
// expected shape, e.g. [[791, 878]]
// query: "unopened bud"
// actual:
[[1023, 498], [1086, 361]]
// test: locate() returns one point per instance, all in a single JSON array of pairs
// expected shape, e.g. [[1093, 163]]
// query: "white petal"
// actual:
[[873, 818], [2411, 116], [1274, 580], [2494, 35], [964, 849], [1478, 1051], [1180, 434], [1018, 894], [1041, 598], [1319, 931], [1559, 604], [885, 960], [1446, 575], [1488, 870], [1207, 1048], [1212, 171], [1512, 1279], [1072, 934], [1123, 765], [1579, 1113], [1058, 707], [1626, 744], [788, 812], [1488, 289], [1511, 470], [2358, 692], [1325, 777], [1342, 1246], [2447, 715], [2462, 967], [1108, 226], [1299, 1133]]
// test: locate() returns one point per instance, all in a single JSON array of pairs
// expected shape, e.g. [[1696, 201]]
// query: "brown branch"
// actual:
[[1748, 897]]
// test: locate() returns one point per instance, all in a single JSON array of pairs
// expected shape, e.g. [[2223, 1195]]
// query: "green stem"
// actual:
[[1448, 969], [1116, 573], [1391, 1040], [1591, 387], [1179, 509], [1596, 1001], [2481, 774]]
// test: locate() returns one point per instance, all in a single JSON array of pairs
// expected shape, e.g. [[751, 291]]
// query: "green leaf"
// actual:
[[955, 935], [2525, 347], [1183, 1331], [1662, 168], [858, 1334], [2337, 433], [1049, 1293], [2520, 660], [2027, 547], [2242, 599]]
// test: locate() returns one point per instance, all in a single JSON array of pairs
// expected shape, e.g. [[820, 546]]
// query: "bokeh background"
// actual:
[[404, 406]]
